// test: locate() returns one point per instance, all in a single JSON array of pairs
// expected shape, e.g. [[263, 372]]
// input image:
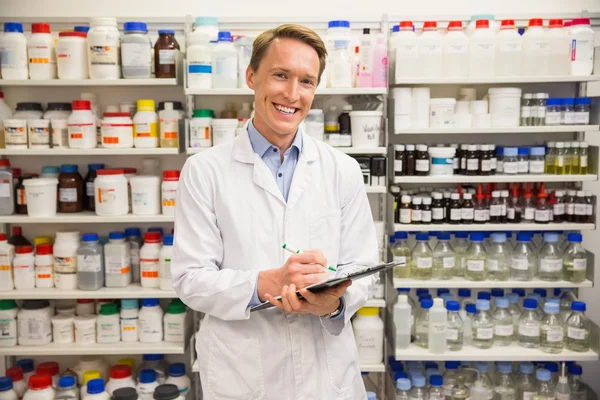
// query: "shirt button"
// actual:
[[280, 174], [274, 150]]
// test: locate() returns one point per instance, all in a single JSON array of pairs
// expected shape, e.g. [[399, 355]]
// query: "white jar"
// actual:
[[145, 195], [58, 110], [147, 384], [65, 260], [368, 332], [149, 260], [582, 47], [7, 390], [169, 191], [17, 376], [505, 106], [178, 377], [536, 49], [223, 130], [42, 57], [33, 322], [136, 51], [108, 328], [66, 309], [117, 259], [39, 133], [441, 160], [23, 268], [199, 62], [85, 329], [111, 192], [165, 263], [117, 130], [63, 329], [72, 56], [44, 272], [120, 377], [224, 63], [145, 125], [84, 307], [8, 323], [441, 114], [174, 323], [200, 129], [60, 133], [314, 124], [104, 49], [129, 320], [87, 366], [15, 134], [7, 254], [151, 321], [82, 126], [14, 52]]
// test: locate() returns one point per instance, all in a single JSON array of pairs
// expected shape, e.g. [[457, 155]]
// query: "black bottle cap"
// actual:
[[166, 392], [29, 106], [364, 162], [126, 393]]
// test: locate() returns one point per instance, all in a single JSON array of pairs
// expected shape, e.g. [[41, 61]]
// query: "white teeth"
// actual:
[[285, 109]]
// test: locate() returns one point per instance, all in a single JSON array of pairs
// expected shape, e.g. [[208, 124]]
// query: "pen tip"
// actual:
[[284, 245]]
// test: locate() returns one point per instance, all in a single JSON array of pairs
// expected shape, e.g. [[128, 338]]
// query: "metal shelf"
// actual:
[[379, 303], [133, 291], [119, 348], [492, 227], [482, 131], [86, 217], [376, 189], [347, 150], [91, 152], [495, 178], [250, 92], [496, 80], [91, 82], [456, 283]]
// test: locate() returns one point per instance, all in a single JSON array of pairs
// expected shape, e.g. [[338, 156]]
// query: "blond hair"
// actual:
[[288, 31]]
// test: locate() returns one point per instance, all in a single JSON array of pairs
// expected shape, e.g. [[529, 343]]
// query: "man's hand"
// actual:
[[300, 270], [318, 304]]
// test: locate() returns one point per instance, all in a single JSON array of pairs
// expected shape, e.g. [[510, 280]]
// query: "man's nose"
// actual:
[[291, 91]]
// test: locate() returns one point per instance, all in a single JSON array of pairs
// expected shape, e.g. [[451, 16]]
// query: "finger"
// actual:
[[309, 257], [302, 281], [272, 300], [319, 254], [311, 298], [285, 299], [305, 269], [295, 302]]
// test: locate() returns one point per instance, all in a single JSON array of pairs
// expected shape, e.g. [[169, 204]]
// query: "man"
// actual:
[[237, 204]]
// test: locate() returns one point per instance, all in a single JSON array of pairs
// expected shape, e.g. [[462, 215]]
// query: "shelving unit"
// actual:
[[91, 152], [494, 80], [493, 131], [493, 227], [348, 150], [423, 180], [85, 217], [90, 82], [319, 92], [457, 283], [133, 291], [119, 348]]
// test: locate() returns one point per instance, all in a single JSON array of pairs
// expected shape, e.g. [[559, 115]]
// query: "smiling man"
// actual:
[[237, 203]]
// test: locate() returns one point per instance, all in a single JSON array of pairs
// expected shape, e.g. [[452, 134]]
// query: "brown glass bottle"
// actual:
[[472, 160], [455, 209], [21, 203], [70, 189], [166, 50], [410, 159]]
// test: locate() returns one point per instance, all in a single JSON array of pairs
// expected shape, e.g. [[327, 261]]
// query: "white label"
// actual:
[[529, 330], [89, 263], [4, 188], [426, 216], [39, 136], [89, 189], [117, 266], [510, 213], [496, 210], [424, 262], [15, 135], [511, 167], [575, 333], [542, 215], [416, 215], [519, 263], [463, 163], [448, 262], [136, 54], [65, 265], [398, 165], [401, 260], [35, 328], [559, 209], [167, 57], [583, 161], [452, 334], [529, 213], [568, 118], [525, 112], [500, 167], [480, 215], [405, 216], [485, 49], [554, 334], [455, 48], [484, 333], [455, 163], [550, 265], [225, 67], [486, 165], [553, 118], [580, 209], [149, 268], [589, 209], [492, 264], [472, 164], [467, 213], [582, 117], [456, 214], [522, 167], [541, 112], [582, 49], [437, 213], [580, 264], [509, 47], [67, 195], [475, 265], [570, 209], [430, 48], [104, 55], [422, 165], [504, 330]]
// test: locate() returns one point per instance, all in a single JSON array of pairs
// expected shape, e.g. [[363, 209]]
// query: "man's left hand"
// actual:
[[318, 304]]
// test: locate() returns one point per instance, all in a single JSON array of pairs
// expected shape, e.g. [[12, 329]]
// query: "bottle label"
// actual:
[[136, 55], [472, 164], [167, 57], [149, 268], [456, 214], [509, 47], [424, 262], [422, 165], [522, 167], [65, 265], [226, 67], [426, 216], [570, 209], [484, 333], [580, 209], [503, 211], [550, 265], [169, 129], [456, 163], [398, 164], [452, 334], [43, 272], [575, 333], [510, 213], [117, 266], [582, 117], [39, 135], [89, 189], [511, 167], [541, 112], [437, 214], [416, 215], [529, 330], [492, 264], [529, 213], [589, 210], [542, 215], [480, 215], [555, 334], [430, 48], [486, 165], [405, 215], [500, 167], [129, 325], [104, 55], [496, 210], [579, 264], [519, 264], [467, 213], [583, 161], [67, 195], [91, 263], [553, 118], [168, 197], [145, 130], [504, 330], [475, 265], [401, 260], [493, 163], [559, 209], [448, 262], [525, 111]]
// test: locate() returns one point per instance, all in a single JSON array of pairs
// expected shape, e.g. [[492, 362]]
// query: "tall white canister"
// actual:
[[366, 128]]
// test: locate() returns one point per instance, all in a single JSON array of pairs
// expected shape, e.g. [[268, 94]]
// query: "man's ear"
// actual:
[[250, 77]]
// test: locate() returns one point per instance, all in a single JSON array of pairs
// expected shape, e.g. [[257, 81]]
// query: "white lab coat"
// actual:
[[230, 222]]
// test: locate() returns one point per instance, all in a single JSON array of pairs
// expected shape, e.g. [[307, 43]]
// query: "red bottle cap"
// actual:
[[556, 23], [72, 34], [482, 23], [130, 171], [16, 230], [507, 24], [50, 368], [40, 381], [580, 21], [2, 236], [16, 373], [82, 105], [24, 249], [480, 195], [542, 192], [43, 249], [455, 25], [120, 372], [515, 190], [85, 301], [172, 175], [406, 25], [110, 171], [528, 193], [4, 162], [40, 28], [152, 237], [430, 26], [536, 22]]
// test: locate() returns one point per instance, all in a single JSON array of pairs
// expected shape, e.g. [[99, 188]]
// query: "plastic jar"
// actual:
[[136, 51], [14, 52], [40, 195], [174, 322], [200, 128], [95, 390], [39, 133], [505, 106], [169, 191], [314, 124], [553, 112], [65, 260], [510, 163], [129, 320], [117, 261], [199, 61], [135, 241], [40, 388], [23, 268], [87, 376], [82, 126], [111, 192], [145, 195], [62, 329], [169, 119], [7, 392], [145, 125], [26, 364], [108, 328], [178, 377], [15, 134], [147, 384], [28, 110], [43, 264], [85, 329], [34, 326], [149, 260], [104, 49], [223, 130], [166, 50], [582, 47], [8, 323], [40, 49], [49, 368], [441, 113], [18, 381], [441, 160], [85, 306], [165, 263], [120, 377], [157, 363], [151, 321], [90, 271], [72, 56], [117, 130], [582, 111]]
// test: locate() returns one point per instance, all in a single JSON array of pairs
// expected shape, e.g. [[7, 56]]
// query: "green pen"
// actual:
[[291, 250]]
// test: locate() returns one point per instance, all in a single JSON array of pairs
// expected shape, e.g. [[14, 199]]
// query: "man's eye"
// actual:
[[279, 75]]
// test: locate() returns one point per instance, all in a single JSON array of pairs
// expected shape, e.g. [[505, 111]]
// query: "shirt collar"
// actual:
[[260, 144]]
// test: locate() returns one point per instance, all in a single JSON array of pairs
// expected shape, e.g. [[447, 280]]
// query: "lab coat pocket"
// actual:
[[235, 368], [325, 234], [341, 359]]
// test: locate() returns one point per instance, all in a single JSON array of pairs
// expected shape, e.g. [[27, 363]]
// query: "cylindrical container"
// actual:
[[200, 128], [57, 110], [108, 328], [441, 113], [72, 56], [129, 320], [368, 332], [149, 260], [169, 191], [136, 51], [70, 189], [145, 195], [85, 306], [65, 260], [366, 128], [223, 130], [505, 106], [8, 316], [166, 253], [40, 194], [582, 47], [402, 101], [314, 124], [199, 61], [28, 110], [104, 49], [419, 114], [14, 52], [60, 133], [482, 120], [85, 329], [82, 126], [462, 107], [44, 270], [174, 322], [441, 160], [151, 321], [166, 50], [117, 256], [34, 326], [90, 265], [41, 54], [111, 192], [145, 125], [178, 377], [117, 130], [63, 329], [23, 268], [479, 107], [15, 134]]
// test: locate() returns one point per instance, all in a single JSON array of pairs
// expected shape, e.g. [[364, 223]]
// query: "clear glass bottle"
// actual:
[[560, 159], [402, 389], [529, 325], [567, 297], [454, 327], [418, 391], [483, 376], [578, 387], [526, 105], [545, 386], [505, 387], [476, 259], [575, 260], [539, 109], [460, 246], [422, 324], [483, 326], [443, 258], [460, 391], [552, 329], [524, 260], [450, 377], [578, 328], [436, 389], [402, 254], [583, 158], [471, 311], [526, 383], [550, 167], [563, 390], [510, 162], [504, 328], [575, 159], [514, 309], [421, 262], [550, 259], [499, 258]]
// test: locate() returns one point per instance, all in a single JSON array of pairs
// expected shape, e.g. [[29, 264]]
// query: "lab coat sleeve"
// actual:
[[198, 252], [358, 247]]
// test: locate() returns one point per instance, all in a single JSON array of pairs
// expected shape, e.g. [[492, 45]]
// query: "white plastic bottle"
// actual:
[[129, 320], [169, 191], [536, 49], [430, 51], [365, 66], [104, 43], [13, 45], [18, 381], [482, 50], [147, 384], [582, 47], [40, 388], [151, 321], [169, 126], [149, 260], [43, 263], [560, 49], [175, 322], [41, 52], [406, 47], [224, 63], [402, 314], [23, 268], [108, 327], [199, 62], [508, 50], [438, 317], [368, 332], [5, 113], [120, 377], [8, 323], [117, 259], [165, 263], [455, 49], [82, 126], [145, 125], [178, 377], [65, 260], [7, 392], [7, 254]]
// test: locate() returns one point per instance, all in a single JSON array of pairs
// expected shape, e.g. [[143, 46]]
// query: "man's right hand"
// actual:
[[301, 269]]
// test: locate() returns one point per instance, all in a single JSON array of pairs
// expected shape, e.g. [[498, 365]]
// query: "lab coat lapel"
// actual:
[[303, 172]]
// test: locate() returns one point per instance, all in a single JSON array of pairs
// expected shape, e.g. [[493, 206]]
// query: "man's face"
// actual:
[[284, 86]]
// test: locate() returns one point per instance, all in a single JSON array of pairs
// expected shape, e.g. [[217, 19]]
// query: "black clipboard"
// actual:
[[329, 283]]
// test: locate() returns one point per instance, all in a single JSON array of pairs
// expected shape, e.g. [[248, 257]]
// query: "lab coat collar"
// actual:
[[261, 145]]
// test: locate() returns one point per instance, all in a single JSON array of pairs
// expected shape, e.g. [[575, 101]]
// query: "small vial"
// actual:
[[399, 169], [558, 209], [575, 159], [467, 210], [455, 209], [526, 103], [426, 210], [405, 210], [503, 323], [568, 112], [578, 328], [499, 160], [529, 325], [552, 329], [580, 207], [485, 160], [416, 213], [472, 160], [483, 326], [582, 111], [523, 160], [456, 159], [583, 158], [422, 258], [536, 160], [539, 109], [550, 167], [475, 259], [570, 205], [437, 208], [496, 208], [511, 162], [553, 112], [454, 327], [567, 158]]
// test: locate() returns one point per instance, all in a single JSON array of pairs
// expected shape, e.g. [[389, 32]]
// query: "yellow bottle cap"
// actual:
[[127, 361], [42, 240], [146, 105], [91, 374], [368, 311]]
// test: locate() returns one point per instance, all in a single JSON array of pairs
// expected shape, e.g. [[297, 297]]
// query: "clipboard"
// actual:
[[332, 282]]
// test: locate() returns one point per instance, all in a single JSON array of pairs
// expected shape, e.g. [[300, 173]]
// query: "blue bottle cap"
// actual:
[[224, 36], [552, 367], [135, 26], [461, 235], [523, 237], [149, 302], [550, 237], [133, 232], [400, 235], [81, 28], [504, 367], [166, 31], [444, 236], [575, 369], [400, 375], [422, 236], [338, 24], [153, 357], [426, 303], [95, 386], [418, 381], [116, 235], [502, 302], [464, 292], [451, 364], [6, 383], [498, 237], [513, 297], [95, 167], [177, 369], [403, 384], [578, 306], [129, 304], [519, 291], [538, 151], [471, 308], [436, 380], [425, 297], [496, 292], [526, 368], [484, 296], [392, 239], [482, 367], [69, 168], [536, 296], [482, 305], [50, 170], [422, 291], [582, 101], [431, 364], [396, 366], [396, 28], [530, 304], [168, 240], [542, 292], [403, 290], [66, 381], [568, 101], [542, 374], [476, 237], [574, 237], [511, 151], [13, 27], [442, 291], [147, 376], [453, 305], [26, 364], [89, 237], [523, 151], [553, 102], [508, 235], [433, 234], [499, 150]]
